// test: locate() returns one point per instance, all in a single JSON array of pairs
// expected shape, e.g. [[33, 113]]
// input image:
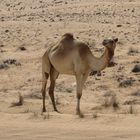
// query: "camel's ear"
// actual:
[[116, 39]]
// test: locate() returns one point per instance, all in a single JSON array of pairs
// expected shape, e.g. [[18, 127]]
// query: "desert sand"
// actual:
[[27, 28]]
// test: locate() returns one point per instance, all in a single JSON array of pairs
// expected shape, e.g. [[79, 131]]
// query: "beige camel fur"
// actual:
[[73, 57]]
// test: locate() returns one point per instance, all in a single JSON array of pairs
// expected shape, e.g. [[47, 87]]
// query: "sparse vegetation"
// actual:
[[133, 50], [22, 48], [136, 93], [6, 63], [26, 110], [95, 115], [110, 101], [119, 25], [46, 116], [19, 102], [109, 94], [131, 110], [37, 115], [11, 61], [33, 95], [115, 103], [93, 73], [4, 66], [136, 68], [132, 102], [126, 82], [81, 115], [57, 100], [106, 102]]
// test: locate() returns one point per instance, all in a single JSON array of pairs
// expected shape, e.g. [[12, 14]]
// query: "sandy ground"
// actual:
[[32, 24]]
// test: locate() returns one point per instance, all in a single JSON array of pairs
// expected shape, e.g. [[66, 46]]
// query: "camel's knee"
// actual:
[[51, 88], [44, 81], [45, 76], [43, 91], [79, 96], [51, 91]]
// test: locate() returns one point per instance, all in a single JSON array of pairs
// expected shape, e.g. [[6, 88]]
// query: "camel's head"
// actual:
[[110, 43]]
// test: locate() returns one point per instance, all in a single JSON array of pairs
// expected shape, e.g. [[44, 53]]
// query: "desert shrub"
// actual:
[[109, 94], [133, 50], [11, 61], [4, 66], [136, 68], [19, 102], [126, 82], [22, 48], [131, 102], [81, 115], [110, 101], [94, 115], [33, 96], [136, 93], [131, 109]]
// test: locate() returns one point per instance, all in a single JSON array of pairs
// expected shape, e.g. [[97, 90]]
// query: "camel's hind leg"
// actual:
[[44, 83], [53, 76], [45, 75]]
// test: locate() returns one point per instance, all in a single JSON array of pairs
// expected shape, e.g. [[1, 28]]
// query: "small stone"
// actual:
[[136, 68], [3, 66], [119, 25], [22, 48], [1, 45], [6, 31]]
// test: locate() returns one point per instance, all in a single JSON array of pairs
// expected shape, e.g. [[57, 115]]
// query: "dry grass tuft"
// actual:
[[111, 101], [106, 102], [131, 110], [4, 66], [33, 95], [19, 102], [37, 115], [94, 115], [136, 68], [81, 115], [133, 50], [46, 116], [115, 103], [136, 93], [57, 100], [126, 82]]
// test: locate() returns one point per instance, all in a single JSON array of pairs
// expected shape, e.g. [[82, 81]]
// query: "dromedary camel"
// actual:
[[72, 57]]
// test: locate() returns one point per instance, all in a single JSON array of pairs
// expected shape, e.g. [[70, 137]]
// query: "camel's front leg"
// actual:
[[80, 79], [53, 76], [79, 82]]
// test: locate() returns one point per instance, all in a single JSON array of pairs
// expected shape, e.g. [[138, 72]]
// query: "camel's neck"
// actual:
[[98, 64]]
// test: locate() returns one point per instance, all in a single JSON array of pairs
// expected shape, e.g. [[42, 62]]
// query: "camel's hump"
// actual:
[[67, 36]]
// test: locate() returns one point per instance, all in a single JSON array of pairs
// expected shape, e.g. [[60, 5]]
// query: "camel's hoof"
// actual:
[[43, 110], [57, 111], [81, 115]]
